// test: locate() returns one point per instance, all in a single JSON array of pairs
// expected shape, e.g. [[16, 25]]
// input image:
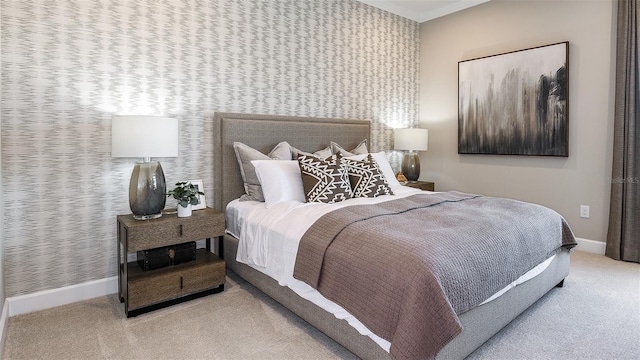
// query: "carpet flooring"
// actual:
[[595, 316]]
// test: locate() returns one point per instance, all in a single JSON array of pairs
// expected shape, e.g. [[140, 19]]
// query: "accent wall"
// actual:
[[68, 66]]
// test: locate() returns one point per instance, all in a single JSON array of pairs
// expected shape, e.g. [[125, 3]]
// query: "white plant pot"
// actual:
[[184, 212]]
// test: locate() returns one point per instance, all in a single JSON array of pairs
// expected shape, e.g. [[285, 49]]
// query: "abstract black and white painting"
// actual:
[[515, 103]]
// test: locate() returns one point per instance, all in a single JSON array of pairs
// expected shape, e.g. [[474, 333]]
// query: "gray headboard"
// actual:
[[263, 132]]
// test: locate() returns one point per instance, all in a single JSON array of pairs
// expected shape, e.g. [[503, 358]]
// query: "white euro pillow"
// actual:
[[280, 180]]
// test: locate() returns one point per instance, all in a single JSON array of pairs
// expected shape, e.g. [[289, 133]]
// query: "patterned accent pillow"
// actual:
[[366, 178], [245, 154], [361, 149], [325, 181]]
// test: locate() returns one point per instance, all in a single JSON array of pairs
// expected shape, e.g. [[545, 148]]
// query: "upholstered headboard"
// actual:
[[263, 132]]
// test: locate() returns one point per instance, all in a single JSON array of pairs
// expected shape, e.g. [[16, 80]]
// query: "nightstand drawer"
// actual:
[[141, 238], [148, 288], [167, 231]]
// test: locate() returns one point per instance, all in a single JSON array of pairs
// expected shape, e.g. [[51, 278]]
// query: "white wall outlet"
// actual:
[[584, 211]]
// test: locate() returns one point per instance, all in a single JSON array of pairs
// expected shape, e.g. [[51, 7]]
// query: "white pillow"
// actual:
[[280, 180], [245, 154], [383, 164]]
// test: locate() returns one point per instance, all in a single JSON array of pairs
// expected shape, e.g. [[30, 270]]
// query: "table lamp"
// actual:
[[145, 137], [413, 140]]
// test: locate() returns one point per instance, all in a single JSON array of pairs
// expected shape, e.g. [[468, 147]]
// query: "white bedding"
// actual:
[[269, 243]]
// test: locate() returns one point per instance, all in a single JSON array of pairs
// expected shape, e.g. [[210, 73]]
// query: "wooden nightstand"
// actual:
[[422, 185], [143, 291]]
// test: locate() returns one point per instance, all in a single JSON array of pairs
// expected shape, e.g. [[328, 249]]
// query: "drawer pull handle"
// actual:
[[180, 282], [180, 229]]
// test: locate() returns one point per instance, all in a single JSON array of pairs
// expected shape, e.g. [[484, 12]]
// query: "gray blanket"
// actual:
[[407, 267]]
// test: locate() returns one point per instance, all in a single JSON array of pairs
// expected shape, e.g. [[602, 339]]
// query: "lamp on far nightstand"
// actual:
[[145, 137], [413, 140]]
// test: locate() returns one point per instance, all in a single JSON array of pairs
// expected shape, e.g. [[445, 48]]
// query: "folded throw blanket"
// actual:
[[407, 267]]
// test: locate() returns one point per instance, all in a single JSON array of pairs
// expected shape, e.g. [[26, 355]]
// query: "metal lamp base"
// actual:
[[147, 217], [411, 166], [147, 191]]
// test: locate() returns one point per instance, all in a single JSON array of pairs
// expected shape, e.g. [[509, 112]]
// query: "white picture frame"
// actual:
[[202, 203]]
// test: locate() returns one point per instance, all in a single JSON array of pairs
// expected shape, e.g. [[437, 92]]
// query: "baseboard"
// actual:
[[41, 300], [591, 246], [56, 297], [4, 322], [46, 299]]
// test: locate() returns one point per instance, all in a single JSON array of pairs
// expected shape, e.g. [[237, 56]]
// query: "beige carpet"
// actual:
[[595, 316], [239, 323]]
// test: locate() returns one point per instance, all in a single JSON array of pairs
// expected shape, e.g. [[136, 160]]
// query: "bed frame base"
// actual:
[[479, 324]]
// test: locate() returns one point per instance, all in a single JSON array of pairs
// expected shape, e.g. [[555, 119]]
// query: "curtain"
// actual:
[[623, 238]]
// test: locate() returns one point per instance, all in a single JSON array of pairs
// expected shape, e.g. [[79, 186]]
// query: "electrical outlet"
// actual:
[[584, 211]]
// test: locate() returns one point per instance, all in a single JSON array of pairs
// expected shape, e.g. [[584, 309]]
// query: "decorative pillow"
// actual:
[[245, 154], [322, 154], [366, 179], [359, 150], [385, 168], [383, 165], [324, 181], [280, 181]]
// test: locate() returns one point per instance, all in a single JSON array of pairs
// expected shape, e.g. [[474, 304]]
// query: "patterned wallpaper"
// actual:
[[68, 66]]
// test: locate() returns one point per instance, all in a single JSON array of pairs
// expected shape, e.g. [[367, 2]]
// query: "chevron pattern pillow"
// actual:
[[366, 178], [325, 181]]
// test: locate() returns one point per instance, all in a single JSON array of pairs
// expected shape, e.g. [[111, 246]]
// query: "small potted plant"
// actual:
[[187, 195]]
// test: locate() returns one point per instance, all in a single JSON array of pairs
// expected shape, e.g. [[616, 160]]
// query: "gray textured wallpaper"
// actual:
[[69, 66]]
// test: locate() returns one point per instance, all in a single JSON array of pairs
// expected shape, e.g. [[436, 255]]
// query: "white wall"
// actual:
[[562, 184]]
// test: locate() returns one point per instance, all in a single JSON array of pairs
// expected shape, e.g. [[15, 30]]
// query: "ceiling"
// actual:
[[423, 10]]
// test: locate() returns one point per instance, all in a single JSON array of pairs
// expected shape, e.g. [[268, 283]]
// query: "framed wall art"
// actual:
[[515, 103]]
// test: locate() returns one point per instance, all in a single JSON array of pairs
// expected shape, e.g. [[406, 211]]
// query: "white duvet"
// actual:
[[269, 241]]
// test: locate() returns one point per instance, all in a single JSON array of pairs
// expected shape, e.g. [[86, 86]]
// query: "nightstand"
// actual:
[[422, 185], [143, 291]]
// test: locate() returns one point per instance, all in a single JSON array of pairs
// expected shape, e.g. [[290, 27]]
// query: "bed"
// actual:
[[262, 132]]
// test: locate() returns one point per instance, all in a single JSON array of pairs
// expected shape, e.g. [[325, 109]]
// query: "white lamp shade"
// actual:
[[144, 136], [411, 139]]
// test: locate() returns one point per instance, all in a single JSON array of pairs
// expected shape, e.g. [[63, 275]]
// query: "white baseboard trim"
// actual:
[[46, 299], [55, 297], [591, 246], [4, 322]]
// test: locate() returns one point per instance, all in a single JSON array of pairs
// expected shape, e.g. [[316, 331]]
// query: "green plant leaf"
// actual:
[[186, 193]]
